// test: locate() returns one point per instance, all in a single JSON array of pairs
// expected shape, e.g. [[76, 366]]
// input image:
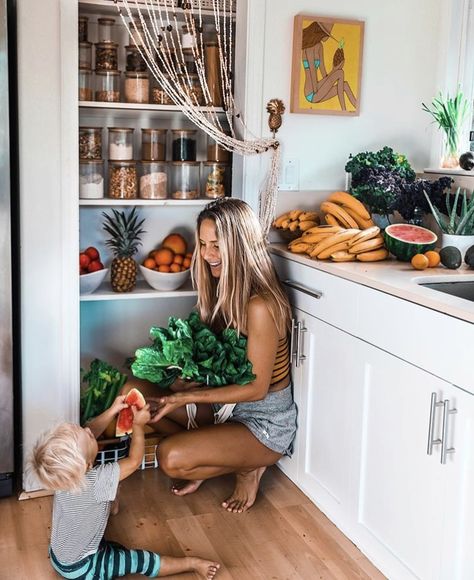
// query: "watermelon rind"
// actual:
[[125, 418], [405, 250]]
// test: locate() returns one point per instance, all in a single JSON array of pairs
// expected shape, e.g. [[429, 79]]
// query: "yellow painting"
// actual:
[[327, 65]]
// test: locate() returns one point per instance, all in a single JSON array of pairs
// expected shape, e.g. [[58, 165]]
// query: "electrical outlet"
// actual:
[[290, 175]]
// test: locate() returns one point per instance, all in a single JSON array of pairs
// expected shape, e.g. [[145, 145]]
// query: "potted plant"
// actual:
[[450, 114], [457, 226]]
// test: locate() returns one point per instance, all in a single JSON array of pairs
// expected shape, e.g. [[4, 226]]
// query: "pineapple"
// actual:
[[125, 231]]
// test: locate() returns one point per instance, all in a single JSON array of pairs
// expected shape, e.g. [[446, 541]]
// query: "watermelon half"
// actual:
[[125, 418], [406, 240]]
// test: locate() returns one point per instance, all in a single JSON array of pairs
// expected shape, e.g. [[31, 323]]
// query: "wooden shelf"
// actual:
[[142, 291], [442, 171], [108, 7], [105, 202], [93, 108]]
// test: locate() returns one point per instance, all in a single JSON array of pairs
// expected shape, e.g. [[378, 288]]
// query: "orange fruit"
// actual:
[[164, 257], [433, 258], [149, 263], [189, 255], [164, 268], [419, 262], [187, 262], [175, 267], [175, 242], [152, 254], [178, 259]]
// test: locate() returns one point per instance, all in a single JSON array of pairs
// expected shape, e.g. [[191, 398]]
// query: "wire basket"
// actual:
[[114, 450]]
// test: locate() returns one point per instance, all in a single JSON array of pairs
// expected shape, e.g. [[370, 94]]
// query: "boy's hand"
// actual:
[[118, 404], [141, 417]]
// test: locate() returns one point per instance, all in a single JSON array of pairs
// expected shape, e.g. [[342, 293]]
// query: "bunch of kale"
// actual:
[[191, 350]]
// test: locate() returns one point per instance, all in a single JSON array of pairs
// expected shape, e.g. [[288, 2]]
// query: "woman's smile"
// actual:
[[210, 247]]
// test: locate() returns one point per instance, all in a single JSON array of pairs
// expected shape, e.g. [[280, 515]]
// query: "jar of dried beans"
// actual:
[[107, 86], [154, 144], [134, 60], [90, 142], [122, 180], [185, 180], [184, 144], [159, 95], [153, 180], [91, 179], [106, 56], [85, 85], [121, 143], [137, 87]]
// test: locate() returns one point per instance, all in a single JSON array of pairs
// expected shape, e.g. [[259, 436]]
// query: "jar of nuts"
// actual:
[[185, 180], [215, 179], [106, 56], [137, 87], [107, 86], [122, 180], [85, 85], [90, 142], [159, 95]]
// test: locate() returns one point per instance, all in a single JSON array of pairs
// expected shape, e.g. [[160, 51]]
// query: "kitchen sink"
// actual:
[[460, 288]]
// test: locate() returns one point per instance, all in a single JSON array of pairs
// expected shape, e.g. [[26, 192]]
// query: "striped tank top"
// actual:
[[281, 368]]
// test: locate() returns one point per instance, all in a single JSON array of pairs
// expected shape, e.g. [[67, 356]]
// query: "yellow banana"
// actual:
[[339, 213], [346, 199], [307, 224], [332, 221], [366, 234], [309, 216], [293, 225], [323, 228], [300, 248], [373, 256], [297, 241], [285, 223], [342, 236], [325, 254], [316, 238], [367, 245], [343, 256], [279, 220], [361, 222], [294, 214]]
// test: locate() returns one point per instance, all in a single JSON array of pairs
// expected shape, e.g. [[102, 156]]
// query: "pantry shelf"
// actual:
[[142, 291], [93, 108], [148, 202], [108, 8]]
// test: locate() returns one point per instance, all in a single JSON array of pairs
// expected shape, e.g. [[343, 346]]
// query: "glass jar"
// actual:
[[215, 179], [189, 62], [154, 144], [134, 60], [133, 37], [216, 152], [159, 96], [85, 55], [193, 89], [91, 179], [83, 28], [105, 29], [137, 87], [184, 144], [106, 56], [213, 75], [122, 180], [153, 180], [90, 142], [188, 40], [121, 143], [107, 86], [185, 180], [85, 85]]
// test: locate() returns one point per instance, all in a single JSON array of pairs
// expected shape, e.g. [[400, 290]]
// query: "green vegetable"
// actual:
[[457, 221], [190, 349], [103, 384]]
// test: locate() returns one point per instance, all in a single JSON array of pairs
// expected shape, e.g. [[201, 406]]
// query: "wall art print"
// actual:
[[327, 65]]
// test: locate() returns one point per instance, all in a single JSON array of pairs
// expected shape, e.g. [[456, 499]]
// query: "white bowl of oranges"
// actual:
[[167, 267]]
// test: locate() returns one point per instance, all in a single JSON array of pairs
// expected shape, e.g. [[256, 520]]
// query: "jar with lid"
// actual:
[[121, 143], [85, 85], [91, 178], [106, 29], [134, 60], [216, 152], [185, 180], [85, 55], [189, 61], [215, 179], [159, 96], [193, 89], [184, 144], [83, 28], [122, 180], [154, 144], [90, 142], [188, 39], [135, 35], [106, 56], [153, 180], [137, 87], [213, 75], [107, 86]]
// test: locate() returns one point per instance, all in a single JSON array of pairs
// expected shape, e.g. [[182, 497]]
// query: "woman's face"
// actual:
[[209, 247]]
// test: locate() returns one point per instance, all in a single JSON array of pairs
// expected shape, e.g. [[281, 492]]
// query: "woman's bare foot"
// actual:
[[245, 492], [205, 568], [185, 487]]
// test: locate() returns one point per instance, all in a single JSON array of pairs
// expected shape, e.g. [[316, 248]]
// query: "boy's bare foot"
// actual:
[[205, 568], [245, 492], [185, 487]]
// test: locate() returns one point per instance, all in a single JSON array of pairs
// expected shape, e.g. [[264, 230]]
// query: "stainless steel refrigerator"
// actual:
[[8, 252]]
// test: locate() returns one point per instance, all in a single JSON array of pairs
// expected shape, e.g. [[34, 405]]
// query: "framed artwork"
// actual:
[[327, 65]]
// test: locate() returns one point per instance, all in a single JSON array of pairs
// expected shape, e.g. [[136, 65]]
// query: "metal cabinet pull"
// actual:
[[300, 356], [444, 449], [432, 441], [292, 340], [297, 286]]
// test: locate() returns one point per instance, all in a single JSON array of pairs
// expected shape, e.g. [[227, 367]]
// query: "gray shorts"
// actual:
[[272, 420]]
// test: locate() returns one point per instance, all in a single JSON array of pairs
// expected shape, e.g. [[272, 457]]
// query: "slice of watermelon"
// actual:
[[125, 418], [406, 240]]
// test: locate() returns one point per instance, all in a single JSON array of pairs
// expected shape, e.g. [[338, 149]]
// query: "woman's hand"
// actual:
[[118, 404], [160, 407], [181, 385]]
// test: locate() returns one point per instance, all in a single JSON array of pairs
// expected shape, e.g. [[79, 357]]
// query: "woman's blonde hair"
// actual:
[[246, 269], [56, 460]]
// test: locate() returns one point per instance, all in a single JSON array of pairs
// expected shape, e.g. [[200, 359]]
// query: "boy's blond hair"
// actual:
[[56, 460]]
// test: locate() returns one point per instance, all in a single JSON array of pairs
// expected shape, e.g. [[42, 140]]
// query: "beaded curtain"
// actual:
[[154, 25]]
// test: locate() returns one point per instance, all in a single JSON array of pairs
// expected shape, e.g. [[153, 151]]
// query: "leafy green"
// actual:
[[459, 222], [103, 384], [190, 349]]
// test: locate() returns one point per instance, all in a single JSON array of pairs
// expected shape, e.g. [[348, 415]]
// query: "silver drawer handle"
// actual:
[[298, 356], [444, 449], [292, 340], [296, 286], [432, 441]]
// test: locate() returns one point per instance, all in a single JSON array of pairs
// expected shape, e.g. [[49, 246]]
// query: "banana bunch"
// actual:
[[341, 244], [297, 220], [344, 210]]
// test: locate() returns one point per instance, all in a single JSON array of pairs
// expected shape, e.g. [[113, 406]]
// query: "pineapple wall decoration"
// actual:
[[125, 231]]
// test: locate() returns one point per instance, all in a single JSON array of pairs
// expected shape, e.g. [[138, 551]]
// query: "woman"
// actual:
[[242, 429]]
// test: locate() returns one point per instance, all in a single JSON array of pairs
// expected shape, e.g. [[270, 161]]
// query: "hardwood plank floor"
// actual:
[[284, 536]]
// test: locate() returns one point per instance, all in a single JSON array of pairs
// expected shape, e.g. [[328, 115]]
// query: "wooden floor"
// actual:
[[284, 536]]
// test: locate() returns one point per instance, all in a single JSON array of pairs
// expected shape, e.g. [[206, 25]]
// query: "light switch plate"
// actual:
[[290, 175]]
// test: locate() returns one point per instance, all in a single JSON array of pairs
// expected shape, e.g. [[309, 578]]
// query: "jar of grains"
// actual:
[[85, 55], [90, 142], [122, 180], [185, 180], [153, 180], [106, 56], [193, 89], [215, 179], [159, 96], [107, 86], [121, 143], [184, 144], [83, 26], [106, 29], [85, 85], [216, 152], [137, 87], [134, 60], [154, 144], [91, 178], [136, 33]]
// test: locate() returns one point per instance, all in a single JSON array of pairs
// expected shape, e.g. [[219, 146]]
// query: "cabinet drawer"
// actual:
[[322, 295]]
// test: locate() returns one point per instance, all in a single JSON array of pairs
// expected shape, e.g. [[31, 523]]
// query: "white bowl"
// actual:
[[90, 282], [164, 280]]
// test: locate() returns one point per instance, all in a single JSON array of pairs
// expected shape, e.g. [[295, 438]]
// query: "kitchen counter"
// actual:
[[396, 278]]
